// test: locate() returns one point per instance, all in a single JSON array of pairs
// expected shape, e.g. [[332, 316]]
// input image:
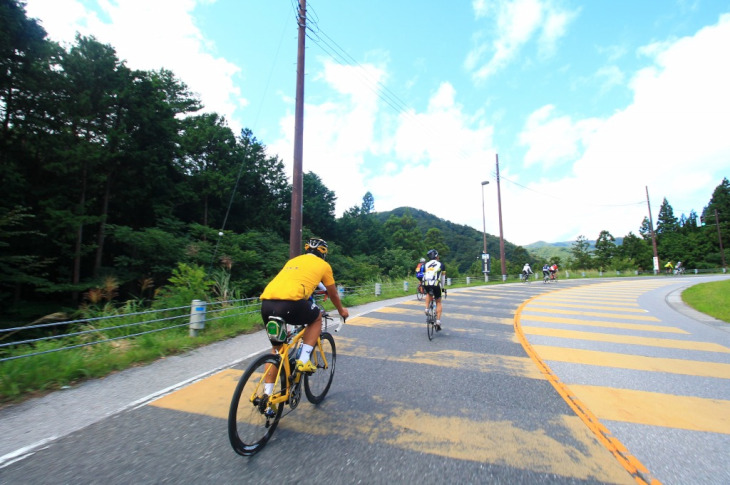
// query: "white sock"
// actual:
[[268, 388], [306, 353]]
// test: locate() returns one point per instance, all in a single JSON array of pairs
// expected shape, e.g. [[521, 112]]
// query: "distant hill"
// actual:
[[465, 242], [545, 250]]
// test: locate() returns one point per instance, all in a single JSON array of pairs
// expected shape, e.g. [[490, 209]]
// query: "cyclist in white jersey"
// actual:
[[433, 276]]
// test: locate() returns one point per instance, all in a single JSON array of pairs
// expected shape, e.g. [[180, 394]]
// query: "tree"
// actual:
[[368, 204], [637, 250], [719, 202], [318, 212], [580, 250], [434, 239], [645, 230], [209, 162], [666, 221], [402, 232], [605, 250]]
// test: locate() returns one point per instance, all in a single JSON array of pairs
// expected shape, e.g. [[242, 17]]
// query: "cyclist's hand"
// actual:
[[344, 314]]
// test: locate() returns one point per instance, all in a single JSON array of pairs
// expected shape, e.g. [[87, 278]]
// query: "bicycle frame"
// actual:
[[293, 339]]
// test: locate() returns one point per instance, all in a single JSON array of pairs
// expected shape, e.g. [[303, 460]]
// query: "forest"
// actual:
[[116, 178]]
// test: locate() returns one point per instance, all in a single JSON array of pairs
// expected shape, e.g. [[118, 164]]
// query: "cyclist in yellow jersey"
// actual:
[[286, 299]]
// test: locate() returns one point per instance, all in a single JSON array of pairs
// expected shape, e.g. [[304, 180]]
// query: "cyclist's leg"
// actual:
[[437, 296]]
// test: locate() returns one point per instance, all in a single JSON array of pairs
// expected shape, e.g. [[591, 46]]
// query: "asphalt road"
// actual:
[[582, 381]]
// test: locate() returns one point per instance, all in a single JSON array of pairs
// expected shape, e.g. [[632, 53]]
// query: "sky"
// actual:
[[587, 106]]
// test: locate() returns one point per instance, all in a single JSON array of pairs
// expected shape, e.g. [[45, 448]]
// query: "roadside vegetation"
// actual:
[[710, 298]]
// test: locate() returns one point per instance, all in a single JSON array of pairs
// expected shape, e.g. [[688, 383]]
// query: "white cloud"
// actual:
[[671, 139], [517, 22], [554, 140], [150, 35]]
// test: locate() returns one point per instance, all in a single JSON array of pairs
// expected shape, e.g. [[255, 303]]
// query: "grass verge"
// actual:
[[710, 298]]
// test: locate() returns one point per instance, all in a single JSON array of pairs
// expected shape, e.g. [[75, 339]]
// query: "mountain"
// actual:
[[465, 243]]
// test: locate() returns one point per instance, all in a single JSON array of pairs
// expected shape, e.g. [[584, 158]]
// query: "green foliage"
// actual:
[[187, 283], [605, 250], [582, 257]]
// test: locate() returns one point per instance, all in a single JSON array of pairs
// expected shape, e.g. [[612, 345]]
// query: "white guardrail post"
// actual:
[[197, 317]]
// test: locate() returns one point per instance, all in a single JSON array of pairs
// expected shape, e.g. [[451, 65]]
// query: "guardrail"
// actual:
[[72, 334]]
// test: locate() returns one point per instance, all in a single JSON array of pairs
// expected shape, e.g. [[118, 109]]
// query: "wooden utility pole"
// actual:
[[653, 234], [501, 235], [295, 233]]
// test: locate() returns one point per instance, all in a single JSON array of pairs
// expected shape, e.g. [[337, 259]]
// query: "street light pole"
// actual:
[[484, 233]]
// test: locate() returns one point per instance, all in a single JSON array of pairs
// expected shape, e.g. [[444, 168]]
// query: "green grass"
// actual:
[[710, 298]]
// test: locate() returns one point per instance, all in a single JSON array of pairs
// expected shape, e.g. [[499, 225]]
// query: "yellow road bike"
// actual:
[[253, 415]]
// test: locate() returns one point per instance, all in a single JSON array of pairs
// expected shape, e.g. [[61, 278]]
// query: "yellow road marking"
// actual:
[[393, 309], [634, 362], [627, 339], [562, 296], [210, 396], [644, 327], [617, 308], [501, 443], [535, 308], [655, 409]]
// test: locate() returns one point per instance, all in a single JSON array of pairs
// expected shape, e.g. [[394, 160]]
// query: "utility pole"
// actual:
[[295, 233], [653, 235], [484, 233], [501, 235]]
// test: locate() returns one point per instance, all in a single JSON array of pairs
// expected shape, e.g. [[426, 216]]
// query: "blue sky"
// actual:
[[586, 103]]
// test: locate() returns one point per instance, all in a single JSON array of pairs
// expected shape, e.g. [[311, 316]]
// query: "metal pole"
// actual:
[[484, 233], [295, 233], [653, 235], [501, 235]]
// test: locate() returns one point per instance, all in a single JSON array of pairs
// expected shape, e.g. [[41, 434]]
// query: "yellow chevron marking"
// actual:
[[626, 339], [655, 409], [210, 396], [617, 308], [532, 307], [644, 327], [634, 362]]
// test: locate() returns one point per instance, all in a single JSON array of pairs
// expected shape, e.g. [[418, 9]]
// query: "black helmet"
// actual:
[[316, 246], [432, 254]]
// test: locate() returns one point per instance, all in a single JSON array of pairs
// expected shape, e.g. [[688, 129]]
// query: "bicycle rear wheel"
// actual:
[[420, 293], [431, 321], [318, 384], [251, 422]]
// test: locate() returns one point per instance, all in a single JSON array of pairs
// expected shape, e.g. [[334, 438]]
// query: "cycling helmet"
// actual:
[[432, 254], [317, 247], [423, 260]]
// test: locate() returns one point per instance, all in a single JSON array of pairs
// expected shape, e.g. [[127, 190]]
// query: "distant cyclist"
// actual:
[[553, 271], [419, 271], [546, 270], [526, 271], [433, 277]]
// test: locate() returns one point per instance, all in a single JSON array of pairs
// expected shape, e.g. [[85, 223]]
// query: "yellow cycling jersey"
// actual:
[[298, 279]]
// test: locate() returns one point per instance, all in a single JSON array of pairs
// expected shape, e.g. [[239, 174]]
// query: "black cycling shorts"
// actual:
[[434, 291], [297, 312]]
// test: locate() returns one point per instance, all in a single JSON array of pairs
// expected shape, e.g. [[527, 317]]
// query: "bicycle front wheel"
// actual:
[[251, 420], [318, 384]]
